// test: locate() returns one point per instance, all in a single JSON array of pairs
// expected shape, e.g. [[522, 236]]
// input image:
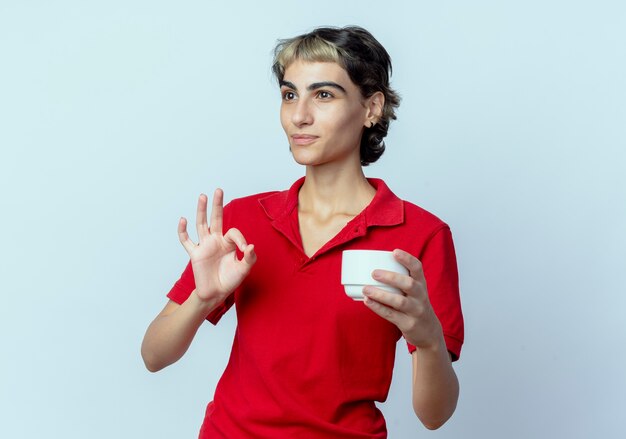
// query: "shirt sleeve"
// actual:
[[183, 287], [442, 280]]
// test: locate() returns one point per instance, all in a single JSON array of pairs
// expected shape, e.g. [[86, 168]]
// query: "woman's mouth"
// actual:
[[303, 139]]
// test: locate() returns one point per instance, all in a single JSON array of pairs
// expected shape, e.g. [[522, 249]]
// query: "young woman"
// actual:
[[307, 360]]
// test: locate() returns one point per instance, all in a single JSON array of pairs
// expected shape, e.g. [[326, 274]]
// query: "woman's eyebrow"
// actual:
[[315, 85], [287, 84]]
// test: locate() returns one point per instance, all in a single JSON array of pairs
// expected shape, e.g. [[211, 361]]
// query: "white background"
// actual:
[[115, 115]]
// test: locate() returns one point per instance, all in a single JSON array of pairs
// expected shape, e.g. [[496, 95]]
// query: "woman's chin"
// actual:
[[304, 159]]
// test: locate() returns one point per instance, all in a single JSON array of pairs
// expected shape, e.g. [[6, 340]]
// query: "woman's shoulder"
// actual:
[[418, 217], [273, 203], [250, 201], [413, 210], [413, 214]]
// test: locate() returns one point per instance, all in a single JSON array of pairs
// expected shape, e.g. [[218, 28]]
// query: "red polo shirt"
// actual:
[[307, 361]]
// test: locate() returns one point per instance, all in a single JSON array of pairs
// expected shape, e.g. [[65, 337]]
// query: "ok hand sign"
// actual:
[[216, 269]]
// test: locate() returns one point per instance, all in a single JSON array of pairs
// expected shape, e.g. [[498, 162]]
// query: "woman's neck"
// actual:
[[328, 192]]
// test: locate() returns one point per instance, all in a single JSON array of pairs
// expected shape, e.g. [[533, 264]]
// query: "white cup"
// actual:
[[357, 267]]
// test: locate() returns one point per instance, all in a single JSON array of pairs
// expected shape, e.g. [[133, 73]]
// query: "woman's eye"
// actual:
[[289, 95], [324, 95]]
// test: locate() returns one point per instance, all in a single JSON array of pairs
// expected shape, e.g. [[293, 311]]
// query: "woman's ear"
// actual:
[[374, 105]]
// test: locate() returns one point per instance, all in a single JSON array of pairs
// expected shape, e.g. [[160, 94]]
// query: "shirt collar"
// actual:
[[385, 209]]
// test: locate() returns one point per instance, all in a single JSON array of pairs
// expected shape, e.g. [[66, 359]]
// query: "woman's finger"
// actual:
[[201, 224], [411, 263], [217, 212], [234, 236], [401, 281], [384, 311], [183, 236], [393, 300], [249, 255]]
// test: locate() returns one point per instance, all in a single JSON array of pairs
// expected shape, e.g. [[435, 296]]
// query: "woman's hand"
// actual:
[[411, 312], [216, 269]]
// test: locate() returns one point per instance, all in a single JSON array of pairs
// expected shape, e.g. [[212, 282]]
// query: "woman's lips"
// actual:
[[303, 139]]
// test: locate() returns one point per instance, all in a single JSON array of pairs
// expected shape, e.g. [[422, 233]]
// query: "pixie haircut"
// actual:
[[365, 60]]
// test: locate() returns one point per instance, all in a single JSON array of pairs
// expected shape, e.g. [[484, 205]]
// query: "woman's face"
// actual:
[[322, 113]]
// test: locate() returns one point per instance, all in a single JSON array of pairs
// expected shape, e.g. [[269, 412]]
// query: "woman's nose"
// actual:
[[302, 114]]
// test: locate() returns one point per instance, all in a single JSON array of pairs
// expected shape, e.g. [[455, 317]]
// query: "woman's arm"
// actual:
[[217, 272], [169, 335], [435, 385]]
